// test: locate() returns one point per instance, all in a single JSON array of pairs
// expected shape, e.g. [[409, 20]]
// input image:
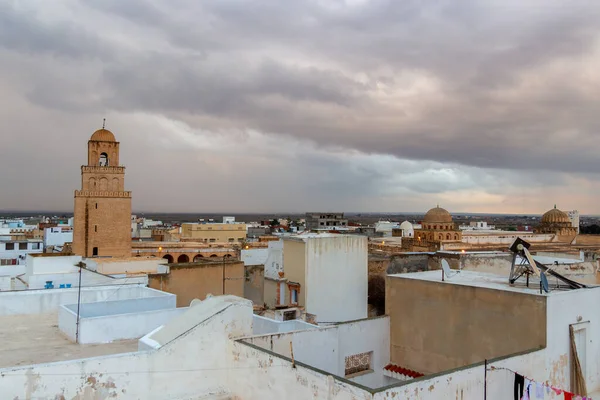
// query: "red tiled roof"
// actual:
[[404, 371]]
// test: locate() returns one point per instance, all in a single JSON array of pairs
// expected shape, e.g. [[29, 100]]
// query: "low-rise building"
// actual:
[[227, 232], [325, 221], [327, 275]]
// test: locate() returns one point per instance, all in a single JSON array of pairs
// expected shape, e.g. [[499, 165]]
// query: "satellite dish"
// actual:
[[544, 282], [447, 271]]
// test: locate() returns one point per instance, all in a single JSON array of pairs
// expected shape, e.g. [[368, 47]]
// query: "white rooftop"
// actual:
[[483, 280]]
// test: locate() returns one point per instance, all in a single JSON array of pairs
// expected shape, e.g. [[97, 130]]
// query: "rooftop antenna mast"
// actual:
[[103, 122]]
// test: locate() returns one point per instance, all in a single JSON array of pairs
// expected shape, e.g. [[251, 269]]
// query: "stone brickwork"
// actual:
[[102, 215]]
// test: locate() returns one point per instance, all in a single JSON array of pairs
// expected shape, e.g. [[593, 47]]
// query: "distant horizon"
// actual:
[[348, 213]]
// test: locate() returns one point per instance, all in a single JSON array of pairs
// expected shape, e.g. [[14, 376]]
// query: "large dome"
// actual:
[[103, 135], [555, 216], [437, 215]]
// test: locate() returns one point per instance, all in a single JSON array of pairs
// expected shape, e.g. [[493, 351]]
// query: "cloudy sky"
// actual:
[[355, 105]]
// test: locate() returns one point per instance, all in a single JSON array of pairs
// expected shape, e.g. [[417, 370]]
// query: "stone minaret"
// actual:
[[102, 220]]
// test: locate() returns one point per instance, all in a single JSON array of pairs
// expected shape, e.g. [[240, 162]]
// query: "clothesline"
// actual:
[[567, 395]]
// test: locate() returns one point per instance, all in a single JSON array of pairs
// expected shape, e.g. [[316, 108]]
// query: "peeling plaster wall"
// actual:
[[326, 348]]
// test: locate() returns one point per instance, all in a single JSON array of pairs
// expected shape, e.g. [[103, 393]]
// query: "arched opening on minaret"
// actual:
[[104, 160]]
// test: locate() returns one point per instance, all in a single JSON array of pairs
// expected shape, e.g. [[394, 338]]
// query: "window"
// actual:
[[96, 206], [294, 296], [35, 246], [22, 246], [358, 363], [95, 228], [104, 160], [10, 246], [289, 315], [212, 240], [231, 239], [95, 251]]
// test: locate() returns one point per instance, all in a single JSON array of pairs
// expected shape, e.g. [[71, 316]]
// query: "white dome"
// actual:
[[406, 225]]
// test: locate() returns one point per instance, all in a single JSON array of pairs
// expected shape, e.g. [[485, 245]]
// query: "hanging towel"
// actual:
[[568, 396], [539, 390], [527, 386], [519, 382], [556, 390]]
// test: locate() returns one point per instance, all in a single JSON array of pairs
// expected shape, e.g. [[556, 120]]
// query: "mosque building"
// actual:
[[102, 215], [556, 222]]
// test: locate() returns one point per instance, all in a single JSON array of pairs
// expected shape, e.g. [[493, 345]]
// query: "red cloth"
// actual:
[[568, 396]]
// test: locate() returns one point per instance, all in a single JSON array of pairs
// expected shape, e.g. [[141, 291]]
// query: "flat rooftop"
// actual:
[[483, 280], [36, 339]]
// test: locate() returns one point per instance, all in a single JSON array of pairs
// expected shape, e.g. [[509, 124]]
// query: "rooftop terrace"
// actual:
[[35, 339]]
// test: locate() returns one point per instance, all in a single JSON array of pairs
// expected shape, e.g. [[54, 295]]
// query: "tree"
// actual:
[[274, 222], [376, 296]]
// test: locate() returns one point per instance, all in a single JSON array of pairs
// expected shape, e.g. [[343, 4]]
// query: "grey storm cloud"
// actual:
[[497, 85]]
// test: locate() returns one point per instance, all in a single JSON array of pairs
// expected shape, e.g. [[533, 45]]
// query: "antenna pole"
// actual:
[[78, 302], [103, 122], [485, 381]]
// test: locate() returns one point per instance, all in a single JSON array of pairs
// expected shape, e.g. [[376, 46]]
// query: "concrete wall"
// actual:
[[46, 301], [437, 326], [142, 265], [336, 278], [127, 306], [294, 259], [114, 326], [254, 256], [403, 263], [327, 348], [254, 283], [51, 264], [274, 261], [88, 278], [196, 363], [197, 280], [262, 325]]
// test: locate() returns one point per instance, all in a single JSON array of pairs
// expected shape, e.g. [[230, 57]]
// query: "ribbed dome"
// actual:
[[103, 135], [406, 225], [437, 215], [555, 216]]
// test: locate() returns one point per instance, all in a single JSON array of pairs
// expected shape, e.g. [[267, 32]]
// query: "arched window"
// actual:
[[104, 160]]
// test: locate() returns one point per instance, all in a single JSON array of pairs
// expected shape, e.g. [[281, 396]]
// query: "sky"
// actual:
[[291, 106]]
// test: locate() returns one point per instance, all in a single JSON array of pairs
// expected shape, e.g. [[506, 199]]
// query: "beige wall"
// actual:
[[102, 222], [270, 294], [254, 283], [436, 326], [196, 280], [294, 261], [218, 233]]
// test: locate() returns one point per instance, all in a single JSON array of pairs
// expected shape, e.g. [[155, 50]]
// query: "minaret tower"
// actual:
[[102, 218]]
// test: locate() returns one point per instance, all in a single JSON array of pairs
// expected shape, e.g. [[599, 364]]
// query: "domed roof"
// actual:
[[406, 225], [555, 216], [437, 215], [103, 135]]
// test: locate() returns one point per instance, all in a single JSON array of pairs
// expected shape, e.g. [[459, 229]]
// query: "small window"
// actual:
[[212, 240], [10, 246], [358, 363], [231, 239], [35, 246], [95, 228], [96, 206], [22, 246], [104, 160], [289, 315], [95, 251]]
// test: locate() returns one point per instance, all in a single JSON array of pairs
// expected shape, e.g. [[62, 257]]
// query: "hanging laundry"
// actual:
[[557, 390], [526, 392], [519, 383], [539, 390], [568, 396]]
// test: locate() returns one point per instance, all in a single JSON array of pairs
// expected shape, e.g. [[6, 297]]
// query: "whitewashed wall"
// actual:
[[336, 278], [197, 363], [47, 301], [326, 348], [254, 256], [274, 261], [106, 329]]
